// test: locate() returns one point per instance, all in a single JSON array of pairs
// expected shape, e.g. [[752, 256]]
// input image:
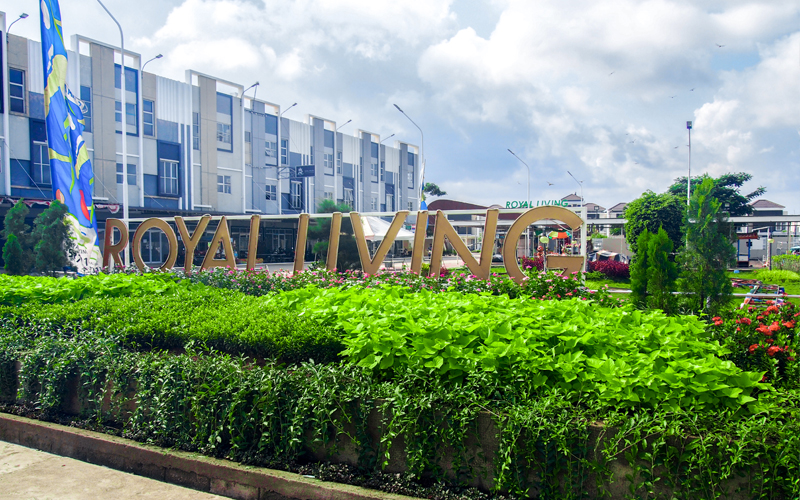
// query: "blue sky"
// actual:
[[600, 88]]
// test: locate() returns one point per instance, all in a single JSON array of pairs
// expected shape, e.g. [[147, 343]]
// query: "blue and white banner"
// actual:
[[70, 168]]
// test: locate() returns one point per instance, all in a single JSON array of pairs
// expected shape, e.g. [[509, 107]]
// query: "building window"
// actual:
[[224, 122], [390, 203], [41, 164], [196, 131], [373, 168], [86, 100], [348, 197], [374, 203], [295, 194], [338, 162], [411, 178], [284, 151], [411, 159], [224, 133], [270, 148], [224, 184], [271, 192], [328, 195], [16, 90], [130, 114], [168, 178], [327, 161], [410, 206], [131, 174], [149, 118], [247, 136], [383, 170]]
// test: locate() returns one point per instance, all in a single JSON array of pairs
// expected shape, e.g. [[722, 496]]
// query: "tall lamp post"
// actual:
[[125, 210], [6, 150], [244, 159], [689, 178], [140, 170], [421, 154], [580, 184], [528, 200], [278, 168]]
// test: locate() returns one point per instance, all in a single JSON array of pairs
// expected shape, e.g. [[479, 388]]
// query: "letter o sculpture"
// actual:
[[171, 238]]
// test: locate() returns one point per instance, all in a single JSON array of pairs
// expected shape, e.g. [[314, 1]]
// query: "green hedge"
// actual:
[[219, 319], [26, 289], [788, 262]]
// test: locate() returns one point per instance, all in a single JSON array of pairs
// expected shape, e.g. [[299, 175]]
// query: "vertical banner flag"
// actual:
[[70, 168]]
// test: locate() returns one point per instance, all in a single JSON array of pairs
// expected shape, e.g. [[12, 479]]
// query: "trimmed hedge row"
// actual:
[[43, 289], [203, 316]]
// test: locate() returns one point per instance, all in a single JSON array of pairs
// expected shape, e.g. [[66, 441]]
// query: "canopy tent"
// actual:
[[375, 229], [559, 235]]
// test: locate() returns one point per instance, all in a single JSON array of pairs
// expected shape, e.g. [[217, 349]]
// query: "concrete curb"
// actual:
[[194, 471]]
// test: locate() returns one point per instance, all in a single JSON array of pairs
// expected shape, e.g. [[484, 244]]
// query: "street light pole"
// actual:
[[278, 168], [20, 18], [6, 149], [689, 178], [528, 200], [244, 158], [140, 170], [125, 210], [421, 154], [580, 184]]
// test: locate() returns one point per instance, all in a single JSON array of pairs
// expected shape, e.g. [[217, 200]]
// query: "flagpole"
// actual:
[[125, 214]]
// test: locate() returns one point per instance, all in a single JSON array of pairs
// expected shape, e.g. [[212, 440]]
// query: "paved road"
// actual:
[[28, 474]]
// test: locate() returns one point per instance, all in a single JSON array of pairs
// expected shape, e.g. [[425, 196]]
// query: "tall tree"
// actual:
[[726, 191], [14, 224], [348, 250], [652, 211], [661, 272], [708, 253], [54, 247], [639, 270]]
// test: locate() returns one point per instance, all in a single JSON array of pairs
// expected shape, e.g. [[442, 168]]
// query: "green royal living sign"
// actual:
[[540, 203]]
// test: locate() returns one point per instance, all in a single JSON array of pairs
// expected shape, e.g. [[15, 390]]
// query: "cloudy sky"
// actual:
[[599, 88]]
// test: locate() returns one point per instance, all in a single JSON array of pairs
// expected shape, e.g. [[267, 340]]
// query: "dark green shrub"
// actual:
[[638, 270], [13, 256], [661, 272]]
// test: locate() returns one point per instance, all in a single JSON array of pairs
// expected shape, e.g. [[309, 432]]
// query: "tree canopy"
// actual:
[[652, 211], [725, 189], [432, 189]]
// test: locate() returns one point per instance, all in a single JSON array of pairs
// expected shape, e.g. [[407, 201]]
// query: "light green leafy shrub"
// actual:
[[616, 355]]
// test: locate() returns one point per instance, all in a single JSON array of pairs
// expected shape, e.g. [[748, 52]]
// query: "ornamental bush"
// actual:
[[611, 269], [788, 262], [763, 340]]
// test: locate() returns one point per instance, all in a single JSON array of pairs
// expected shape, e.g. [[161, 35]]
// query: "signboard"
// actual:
[[370, 264], [540, 203], [304, 171], [748, 236]]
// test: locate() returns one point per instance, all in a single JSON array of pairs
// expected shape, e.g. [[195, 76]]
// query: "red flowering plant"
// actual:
[[762, 340]]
